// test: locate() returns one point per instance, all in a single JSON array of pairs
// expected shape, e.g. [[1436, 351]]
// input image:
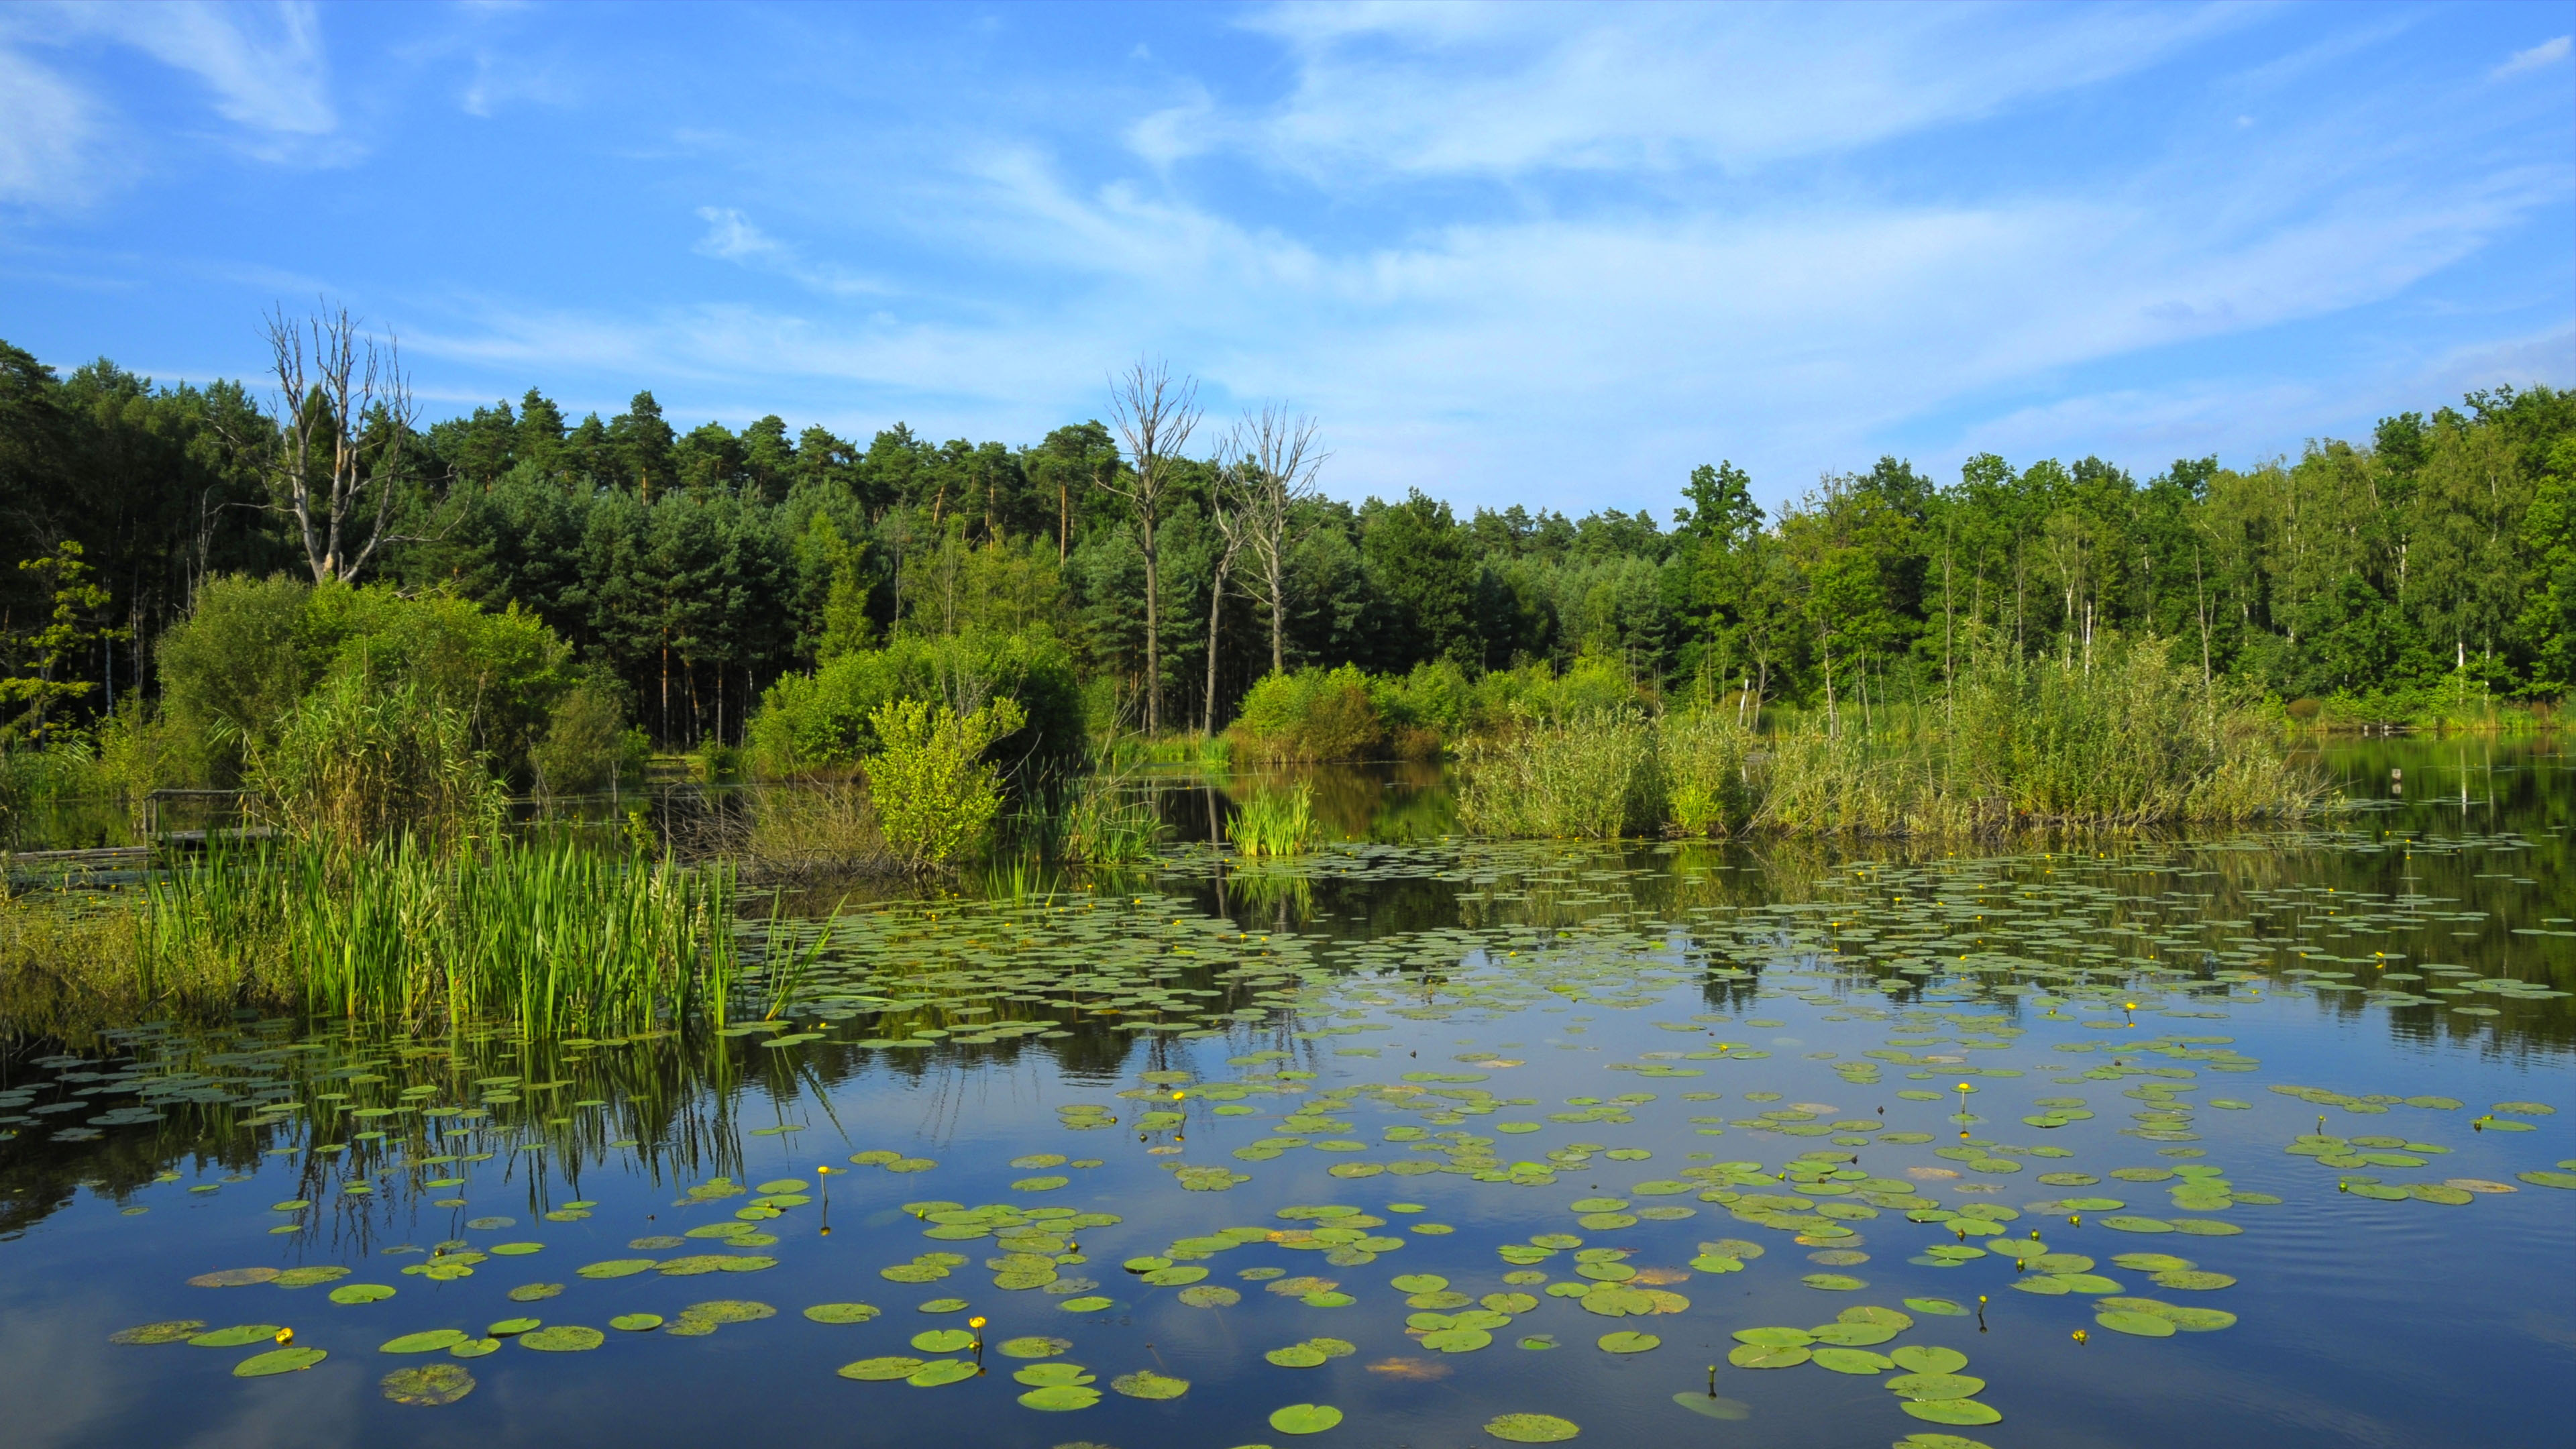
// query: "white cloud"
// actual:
[[1472, 89], [2546, 53], [46, 127], [264, 64], [731, 237]]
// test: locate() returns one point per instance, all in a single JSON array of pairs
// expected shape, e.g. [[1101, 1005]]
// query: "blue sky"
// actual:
[[1552, 255]]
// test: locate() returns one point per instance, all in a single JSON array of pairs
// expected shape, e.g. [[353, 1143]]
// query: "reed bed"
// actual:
[[552, 936], [2134, 741], [1274, 823]]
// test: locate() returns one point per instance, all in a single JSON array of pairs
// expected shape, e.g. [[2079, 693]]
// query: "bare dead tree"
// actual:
[[1226, 510], [1155, 415], [345, 420], [1277, 460]]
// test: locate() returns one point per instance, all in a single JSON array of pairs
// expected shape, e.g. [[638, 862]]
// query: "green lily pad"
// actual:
[[1628, 1342], [941, 1371], [1768, 1356], [1853, 1361], [1775, 1337], [944, 1340], [1418, 1283], [1531, 1428], [1937, 1385], [2193, 1280], [1834, 1282], [1305, 1418], [1034, 1346], [1145, 1384], [1713, 1406], [1939, 1307], [563, 1338], [636, 1322], [474, 1348], [307, 1277], [278, 1361], [1952, 1411], [237, 1336], [1052, 1398], [428, 1385], [175, 1330], [841, 1312], [1929, 1358], [880, 1370], [1086, 1305], [1210, 1295], [2143, 1325], [429, 1342], [1457, 1340], [509, 1326], [1298, 1355], [514, 1250], [617, 1268], [361, 1293]]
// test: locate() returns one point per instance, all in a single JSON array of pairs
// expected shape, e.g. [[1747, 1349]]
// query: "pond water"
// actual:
[[2256, 1140]]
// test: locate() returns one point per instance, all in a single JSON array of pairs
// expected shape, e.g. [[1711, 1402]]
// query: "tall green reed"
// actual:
[[552, 936], [1274, 823]]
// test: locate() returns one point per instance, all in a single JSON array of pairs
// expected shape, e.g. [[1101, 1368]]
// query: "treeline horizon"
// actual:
[[695, 568]]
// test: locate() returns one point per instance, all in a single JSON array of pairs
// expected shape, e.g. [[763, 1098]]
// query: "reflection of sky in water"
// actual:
[[1505, 1038]]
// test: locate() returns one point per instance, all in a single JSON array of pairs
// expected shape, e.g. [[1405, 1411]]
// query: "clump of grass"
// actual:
[[407, 930], [2134, 740], [1104, 817], [818, 827], [1274, 823], [1595, 776]]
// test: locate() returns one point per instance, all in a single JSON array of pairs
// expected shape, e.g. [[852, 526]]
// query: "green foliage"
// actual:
[[1274, 823], [1309, 714], [811, 722], [237, 668], [355, 763], [588, 746], [2135, 740], [934, 791], [1594, 776], [40, 658], [555, 937]]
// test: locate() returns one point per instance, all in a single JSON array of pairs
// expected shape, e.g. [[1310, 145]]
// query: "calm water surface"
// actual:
[[1694, 1058]]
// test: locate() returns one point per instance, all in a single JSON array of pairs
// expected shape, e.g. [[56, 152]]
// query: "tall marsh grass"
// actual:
[[2133, 741], [1274, 823], [553, 936]]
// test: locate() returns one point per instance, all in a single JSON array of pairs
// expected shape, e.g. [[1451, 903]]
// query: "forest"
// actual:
[[680, 573]]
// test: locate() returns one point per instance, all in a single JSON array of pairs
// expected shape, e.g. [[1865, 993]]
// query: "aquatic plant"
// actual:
[[1274, 823], [403, 929]]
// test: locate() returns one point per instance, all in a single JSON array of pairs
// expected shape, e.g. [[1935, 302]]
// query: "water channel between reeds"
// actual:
[[2261, 1139]]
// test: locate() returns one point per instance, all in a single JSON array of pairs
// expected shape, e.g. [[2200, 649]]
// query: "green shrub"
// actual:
[[1307, 715], [814, 722], [252, 649], [353, 764], [588, 745], [934, 791]]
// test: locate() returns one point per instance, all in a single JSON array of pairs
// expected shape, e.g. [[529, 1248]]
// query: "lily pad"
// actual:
[[636, 1322], [1952, 1411], [361, 1293], [880, 1370], [175, 1330], [1052, 1398], [1531, 1428], [429, 1342], [1768, 1356], [944, 1340], [1628, 1342], [1937, 1385], [427, 1385], [1305, 1418], [1034, 1346], [1713, 1406], [941, 1371], [841, 1312], [563, 1338], [278, 1361], [1929, 1358], [1146, 1384], [2142, 1325], [1853, 1361]]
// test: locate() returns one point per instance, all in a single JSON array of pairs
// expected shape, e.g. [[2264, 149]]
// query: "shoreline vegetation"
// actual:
[[372, 650]]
